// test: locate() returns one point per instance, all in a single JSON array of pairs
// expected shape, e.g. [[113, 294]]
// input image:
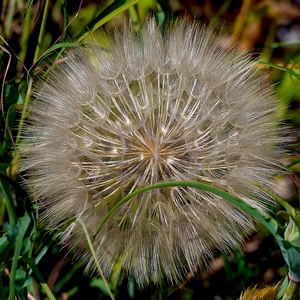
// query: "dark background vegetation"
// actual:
[[270, 29]]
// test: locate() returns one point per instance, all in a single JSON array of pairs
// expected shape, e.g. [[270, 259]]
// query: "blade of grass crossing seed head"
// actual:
[[95, 256]]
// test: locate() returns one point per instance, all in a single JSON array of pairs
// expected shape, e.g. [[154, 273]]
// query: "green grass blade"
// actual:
[[42, 32], [66, 18], [95, 256], [23, 224], [267, 222], [39, 276], [114, 9], [26, 27], [24, 110], [281, 68], [60, 46], [283, 44]]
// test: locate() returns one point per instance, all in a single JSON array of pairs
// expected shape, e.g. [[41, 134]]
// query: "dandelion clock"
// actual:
[[128, 110]]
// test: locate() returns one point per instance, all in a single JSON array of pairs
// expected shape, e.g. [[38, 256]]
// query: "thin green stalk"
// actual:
[[68, 278], [42, 32], [222, 9], [241, 20], [112, 10], [134, 16], [24, 111], [281, 68], [291, 290], [233, 199], [15, 262], [39, 276], [94, 256], [24, 39], [66, 19]]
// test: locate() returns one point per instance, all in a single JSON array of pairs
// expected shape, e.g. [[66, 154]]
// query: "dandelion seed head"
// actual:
[[138, 109]]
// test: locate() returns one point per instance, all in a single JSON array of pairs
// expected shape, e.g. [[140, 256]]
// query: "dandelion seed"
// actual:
[[142, 109]]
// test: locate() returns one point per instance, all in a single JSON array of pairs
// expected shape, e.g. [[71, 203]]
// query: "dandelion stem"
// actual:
[[94, 256]]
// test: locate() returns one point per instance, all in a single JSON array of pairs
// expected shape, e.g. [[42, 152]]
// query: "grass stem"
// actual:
[[95, 257], [42, 32]]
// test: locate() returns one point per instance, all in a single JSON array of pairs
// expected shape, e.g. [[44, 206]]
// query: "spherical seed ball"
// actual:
[[130, 109]]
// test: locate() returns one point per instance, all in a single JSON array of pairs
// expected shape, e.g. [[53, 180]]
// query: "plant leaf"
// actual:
[[291, 254]]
